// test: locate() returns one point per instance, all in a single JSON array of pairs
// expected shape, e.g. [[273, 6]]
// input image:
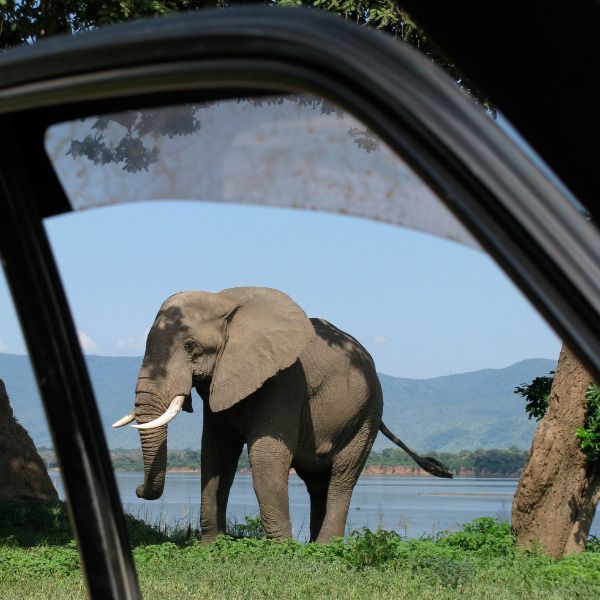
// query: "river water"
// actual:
[[412, 506]]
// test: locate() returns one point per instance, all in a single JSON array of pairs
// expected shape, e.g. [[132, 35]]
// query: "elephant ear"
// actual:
[[265, 335]]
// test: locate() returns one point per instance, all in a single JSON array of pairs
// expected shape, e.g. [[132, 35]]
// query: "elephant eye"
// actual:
[[189, 346]]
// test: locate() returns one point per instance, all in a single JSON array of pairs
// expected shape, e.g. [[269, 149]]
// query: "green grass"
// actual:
[[480, 561]]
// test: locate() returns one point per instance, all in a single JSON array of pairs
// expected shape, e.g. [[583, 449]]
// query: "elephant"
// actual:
[[299, 392]]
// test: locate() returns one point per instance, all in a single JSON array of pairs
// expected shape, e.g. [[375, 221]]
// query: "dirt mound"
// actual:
[[557, 495], [22, 471]]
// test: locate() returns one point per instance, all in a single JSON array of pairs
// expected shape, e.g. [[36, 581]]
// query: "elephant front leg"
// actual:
[[219, 460], [270, 460]]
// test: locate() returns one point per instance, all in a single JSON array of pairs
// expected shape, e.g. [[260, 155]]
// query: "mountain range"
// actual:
[[450, 413]]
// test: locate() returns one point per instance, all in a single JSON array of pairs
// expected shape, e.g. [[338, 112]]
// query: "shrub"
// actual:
[[593, 544], [32, 522], [252, 527], [40, 562], [372, 549], [484, 536]]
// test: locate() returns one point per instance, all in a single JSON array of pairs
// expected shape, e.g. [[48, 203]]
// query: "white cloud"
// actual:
[[380, 339], [87, 343], [133, 343]]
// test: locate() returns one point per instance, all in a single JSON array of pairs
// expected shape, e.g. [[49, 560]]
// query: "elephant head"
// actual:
[[227, 344]]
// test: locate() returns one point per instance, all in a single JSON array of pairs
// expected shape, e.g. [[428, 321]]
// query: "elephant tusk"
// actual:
[[125, 420], [166, 417]]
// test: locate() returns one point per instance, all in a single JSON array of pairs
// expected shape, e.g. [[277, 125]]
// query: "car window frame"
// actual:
[[487, 181]]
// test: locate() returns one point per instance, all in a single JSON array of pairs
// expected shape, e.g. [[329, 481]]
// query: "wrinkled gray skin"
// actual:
[[299, 392]]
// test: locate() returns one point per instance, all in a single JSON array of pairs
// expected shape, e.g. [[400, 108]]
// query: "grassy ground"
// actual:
[[38, 560]]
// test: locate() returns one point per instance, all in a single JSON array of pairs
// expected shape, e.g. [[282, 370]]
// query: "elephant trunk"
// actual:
[[154, 450], [157, 401]]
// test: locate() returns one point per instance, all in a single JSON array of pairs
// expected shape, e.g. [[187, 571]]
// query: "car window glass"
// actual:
[[288, 151], [424, 307], [28, 466], [450, 335]]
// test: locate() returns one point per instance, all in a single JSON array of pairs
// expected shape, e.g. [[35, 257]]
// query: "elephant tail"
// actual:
[[431, 465]]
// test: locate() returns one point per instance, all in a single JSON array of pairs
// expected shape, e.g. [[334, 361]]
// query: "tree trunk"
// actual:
[[23, 473], [558, 491]]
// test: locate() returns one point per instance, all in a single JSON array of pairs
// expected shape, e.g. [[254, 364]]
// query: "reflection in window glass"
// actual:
[[287, 151]]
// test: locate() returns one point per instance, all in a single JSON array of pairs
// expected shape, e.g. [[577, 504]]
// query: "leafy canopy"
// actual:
[[536, 395], [27, 21], [589, 434]]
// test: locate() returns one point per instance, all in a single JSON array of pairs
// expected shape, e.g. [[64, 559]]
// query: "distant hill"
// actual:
[[462, 411], [450, 413]]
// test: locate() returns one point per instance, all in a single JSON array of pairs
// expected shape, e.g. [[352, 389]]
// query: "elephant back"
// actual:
[[335, 356]]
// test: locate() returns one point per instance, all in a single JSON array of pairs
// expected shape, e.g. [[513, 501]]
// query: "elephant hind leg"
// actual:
[[345, 470], [317, 485], [336, 511]]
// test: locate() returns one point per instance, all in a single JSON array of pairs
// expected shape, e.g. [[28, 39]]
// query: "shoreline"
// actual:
[[369, 472]]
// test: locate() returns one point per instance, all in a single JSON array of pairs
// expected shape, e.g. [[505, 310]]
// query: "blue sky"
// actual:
[[422, 305]]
